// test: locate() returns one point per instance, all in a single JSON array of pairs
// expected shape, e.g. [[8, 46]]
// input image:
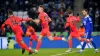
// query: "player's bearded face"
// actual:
[[84, 13]]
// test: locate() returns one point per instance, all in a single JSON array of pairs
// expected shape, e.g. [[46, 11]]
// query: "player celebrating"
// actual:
[[87, 23], [31, 32], [44, 19], [14, 23], [71, 23]]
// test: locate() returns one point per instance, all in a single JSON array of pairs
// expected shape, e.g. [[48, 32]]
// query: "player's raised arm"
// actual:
[[2, 27], [26, 19], [77, 18], [49, 19]]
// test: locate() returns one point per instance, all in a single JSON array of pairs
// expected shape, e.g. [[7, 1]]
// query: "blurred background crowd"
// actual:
[[56, 9]]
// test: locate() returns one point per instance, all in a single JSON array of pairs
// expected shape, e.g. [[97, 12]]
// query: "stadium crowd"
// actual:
[[56, 9]]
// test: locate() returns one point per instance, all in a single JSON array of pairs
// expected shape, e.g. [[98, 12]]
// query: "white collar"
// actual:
[[86, 16]]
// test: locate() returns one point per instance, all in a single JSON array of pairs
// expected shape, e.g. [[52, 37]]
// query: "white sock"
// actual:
[[96, 49], [36, 50], [81, 50], [64, 39], [70, 48], [89, 45], [81, 43]]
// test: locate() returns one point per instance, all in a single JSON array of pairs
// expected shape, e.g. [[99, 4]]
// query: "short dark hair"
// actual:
[[10, 12], [70, 12], [41, 6], [85, 10]]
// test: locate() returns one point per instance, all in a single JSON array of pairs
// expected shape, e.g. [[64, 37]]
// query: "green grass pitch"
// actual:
[[49, 52]]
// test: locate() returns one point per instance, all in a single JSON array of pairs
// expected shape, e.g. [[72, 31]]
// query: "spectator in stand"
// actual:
[[68, 4], [59, 24], [53, 25], [51, 4], [97, 14], [61, 13], [14, 6], [7, 5], [40, 2], [61, 5], [32, 13], [27, 7], [54, 14], [91, 12], [97, 17]]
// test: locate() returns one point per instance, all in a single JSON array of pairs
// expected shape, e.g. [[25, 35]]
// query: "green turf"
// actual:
[[49, 52]]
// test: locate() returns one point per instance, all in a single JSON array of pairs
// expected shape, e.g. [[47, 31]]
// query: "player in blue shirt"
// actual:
[[87, 24]]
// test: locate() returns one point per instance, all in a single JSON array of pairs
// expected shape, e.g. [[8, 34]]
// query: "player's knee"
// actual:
[[39, 39], [69, 38], [91, 39], [51, 39], [21, 42], [87, 40]]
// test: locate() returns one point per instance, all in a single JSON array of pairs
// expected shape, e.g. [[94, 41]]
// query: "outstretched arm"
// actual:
[[26, 19], [4, 24], [2, 27], [49, 19], [36, 21]]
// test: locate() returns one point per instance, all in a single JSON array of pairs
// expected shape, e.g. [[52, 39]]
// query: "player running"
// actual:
[[31, 33], [87, 23], [44, 19], [71, 23], [14, 23]]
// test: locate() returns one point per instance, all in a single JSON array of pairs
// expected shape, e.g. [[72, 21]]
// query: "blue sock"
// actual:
[[84, 44], [94, 45]]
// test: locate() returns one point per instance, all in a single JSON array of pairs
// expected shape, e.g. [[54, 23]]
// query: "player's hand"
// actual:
[[30, 18], [33, 20]]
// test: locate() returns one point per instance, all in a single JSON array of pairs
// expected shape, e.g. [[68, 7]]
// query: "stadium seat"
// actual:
[[25, 16], [20, 13], [25, 12], [15, 13]]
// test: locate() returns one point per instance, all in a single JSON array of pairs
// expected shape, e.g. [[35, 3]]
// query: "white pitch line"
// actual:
[[63, 53]]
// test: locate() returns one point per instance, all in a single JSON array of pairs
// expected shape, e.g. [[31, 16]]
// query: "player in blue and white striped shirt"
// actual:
[[87, 24]]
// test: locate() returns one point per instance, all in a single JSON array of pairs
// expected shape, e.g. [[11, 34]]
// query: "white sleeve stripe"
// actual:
[[86, 35]]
